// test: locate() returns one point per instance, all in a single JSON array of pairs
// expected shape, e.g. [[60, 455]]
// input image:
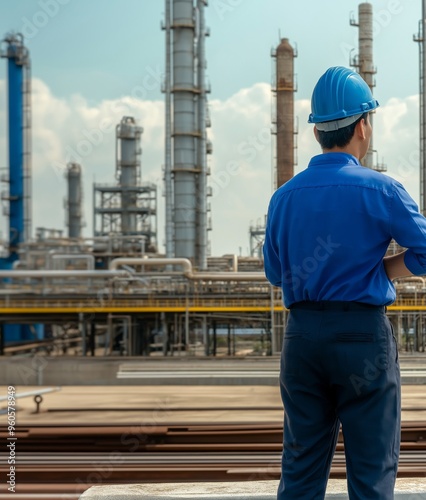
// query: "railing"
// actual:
[[9, 303], [6, 304]]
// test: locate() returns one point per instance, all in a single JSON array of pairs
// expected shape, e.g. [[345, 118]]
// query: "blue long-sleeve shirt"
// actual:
[[328, 229]]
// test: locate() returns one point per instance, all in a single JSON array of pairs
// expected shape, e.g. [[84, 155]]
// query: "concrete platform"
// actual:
[[162, 405], [179, 371], [406, 489]]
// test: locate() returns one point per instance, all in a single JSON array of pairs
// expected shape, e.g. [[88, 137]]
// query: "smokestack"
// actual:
[[365, 67], [365, 60], [284, 88]]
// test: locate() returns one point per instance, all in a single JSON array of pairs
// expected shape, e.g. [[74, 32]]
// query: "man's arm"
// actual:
[[271, 257], [395, 266], [408, 229]]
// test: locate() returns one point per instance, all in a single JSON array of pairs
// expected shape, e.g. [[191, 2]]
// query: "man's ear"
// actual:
[[316, 134], [360, 129]]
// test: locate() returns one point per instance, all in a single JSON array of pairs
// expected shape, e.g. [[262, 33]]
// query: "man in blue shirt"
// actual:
[[327, 233]]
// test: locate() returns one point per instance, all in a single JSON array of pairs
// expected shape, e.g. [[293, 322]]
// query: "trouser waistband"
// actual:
[[335, 305]]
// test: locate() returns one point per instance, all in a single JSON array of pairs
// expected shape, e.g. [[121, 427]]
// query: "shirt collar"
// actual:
[[334, 159]]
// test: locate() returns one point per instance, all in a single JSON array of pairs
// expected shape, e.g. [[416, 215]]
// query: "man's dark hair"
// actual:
[[339, 138]]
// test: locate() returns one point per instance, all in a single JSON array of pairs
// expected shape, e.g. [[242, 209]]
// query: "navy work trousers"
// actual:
[[339, 365]]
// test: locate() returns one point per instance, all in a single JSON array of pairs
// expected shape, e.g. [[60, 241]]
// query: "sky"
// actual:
[[95, 60]]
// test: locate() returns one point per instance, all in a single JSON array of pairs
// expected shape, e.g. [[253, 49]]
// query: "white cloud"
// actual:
[[241, 170], [396, 139]]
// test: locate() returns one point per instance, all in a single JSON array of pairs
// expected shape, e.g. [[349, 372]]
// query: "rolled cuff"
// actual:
[[414, 264]]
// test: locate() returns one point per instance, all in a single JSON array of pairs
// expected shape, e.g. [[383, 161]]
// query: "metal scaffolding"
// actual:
[[129, 208]]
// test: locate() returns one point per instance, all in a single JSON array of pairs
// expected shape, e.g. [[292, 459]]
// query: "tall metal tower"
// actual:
[[186, 139], [129, 208], [283, 122], [421, 39], [363, 62], [74, 200], [19, 124], [284, 158]]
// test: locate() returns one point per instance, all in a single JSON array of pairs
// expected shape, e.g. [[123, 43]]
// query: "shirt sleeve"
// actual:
[[408, 229], [271, 258]]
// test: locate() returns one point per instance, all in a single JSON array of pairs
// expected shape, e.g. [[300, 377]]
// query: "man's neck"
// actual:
[[350, 150]]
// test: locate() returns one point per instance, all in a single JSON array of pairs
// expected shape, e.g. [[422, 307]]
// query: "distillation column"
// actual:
[[184, 132], [19, 196], [74, 200], [285, 112], [128, 171], [190, 145]]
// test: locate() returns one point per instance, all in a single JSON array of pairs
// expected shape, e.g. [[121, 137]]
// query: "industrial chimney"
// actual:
[[363, 63], [284, 122]]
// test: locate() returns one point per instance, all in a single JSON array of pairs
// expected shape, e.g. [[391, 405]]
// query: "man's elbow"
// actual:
[[273, 277]]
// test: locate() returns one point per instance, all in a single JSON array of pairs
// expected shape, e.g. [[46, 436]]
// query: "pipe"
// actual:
[[202, 242], [235, 263], [77, 256], [180, 261], [61, 274], [27, 137], [168, 141], [423, 111], [187, 270]]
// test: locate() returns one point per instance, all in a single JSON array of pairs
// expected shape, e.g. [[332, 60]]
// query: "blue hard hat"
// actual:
[[340, 93]]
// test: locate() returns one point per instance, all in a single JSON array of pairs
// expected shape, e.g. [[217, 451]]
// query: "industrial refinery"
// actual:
[[118, 291], [139, 363]]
